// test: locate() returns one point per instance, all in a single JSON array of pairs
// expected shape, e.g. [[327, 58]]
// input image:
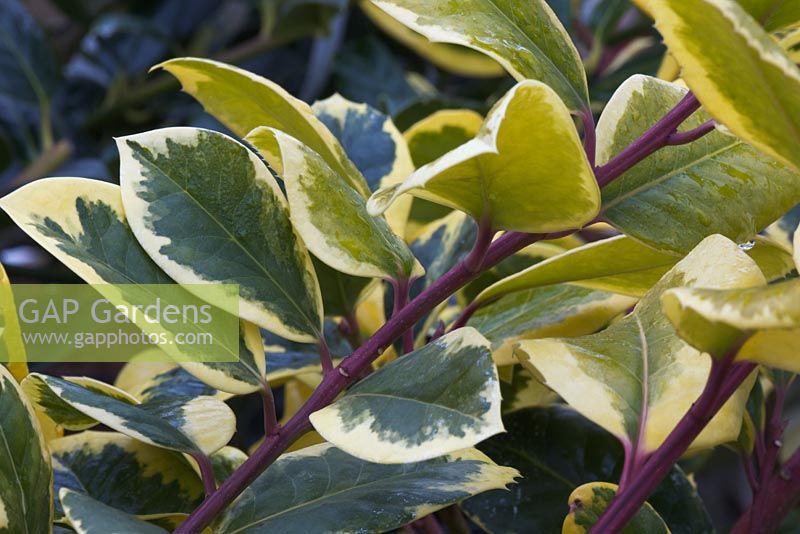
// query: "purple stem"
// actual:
[[270, 416], [350, 368], [401, 291], [325, 355], [654, 138], [683, 138], [466, 313], [206, 472], [723, 380], [474, 262]]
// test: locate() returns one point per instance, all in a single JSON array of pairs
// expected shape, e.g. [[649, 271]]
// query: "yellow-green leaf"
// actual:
[[454, 58], [556, 310], [773, 14], [440, 132], [715, 320], [243, 101], [439, 399], [331, 216], [26, 478], [526, 38], [739, 73], [542, 185], [588, 502], [679, 195], [12, 350], [207, 210], [329, 497], [622, 265], [374, 144], [638, 374]]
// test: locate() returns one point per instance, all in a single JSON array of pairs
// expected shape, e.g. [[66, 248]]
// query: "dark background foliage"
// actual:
[[75, 73]]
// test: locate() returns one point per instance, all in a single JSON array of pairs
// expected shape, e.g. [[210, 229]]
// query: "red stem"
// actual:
[[474, 262], [335, 382]]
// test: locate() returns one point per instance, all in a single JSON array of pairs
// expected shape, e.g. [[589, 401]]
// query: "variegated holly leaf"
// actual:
[[622, 265], [637, 378], [556, 310], [243, 101], [679, 195], [12, 349], [330, 215], [522, 390], [782, 230], [125, 473], [89, 516], [453, 58], [225, 461], [172, 383], [588, 502], [526, 38], [328, 497], [374, 144], [544, 184], [26, 478], [739, 73], [200, 425], [715, 320], [557, 450], [82, 223], [206, 209], [288, 359], [773, 14], [440, 132], [438, 399], [60, 411]]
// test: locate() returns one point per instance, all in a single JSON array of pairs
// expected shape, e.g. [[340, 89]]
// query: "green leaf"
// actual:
[[527, 39], [206, 209], [126, 474], [88, 516], [773, 14], [440, 398], [30, 71], [622, 265], [243, 101], [82, 223], [739, 73], [542, 185], [328, 496], [588, 502], [714, 320], [441, 132], [61, 412], [452, 58], [26, 479], [330, 215], [679, 195], [557, 310], [199, 425], [225, 461], [523, 390], [172, 383], [341, 292], [638, 374], [557, 450]]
